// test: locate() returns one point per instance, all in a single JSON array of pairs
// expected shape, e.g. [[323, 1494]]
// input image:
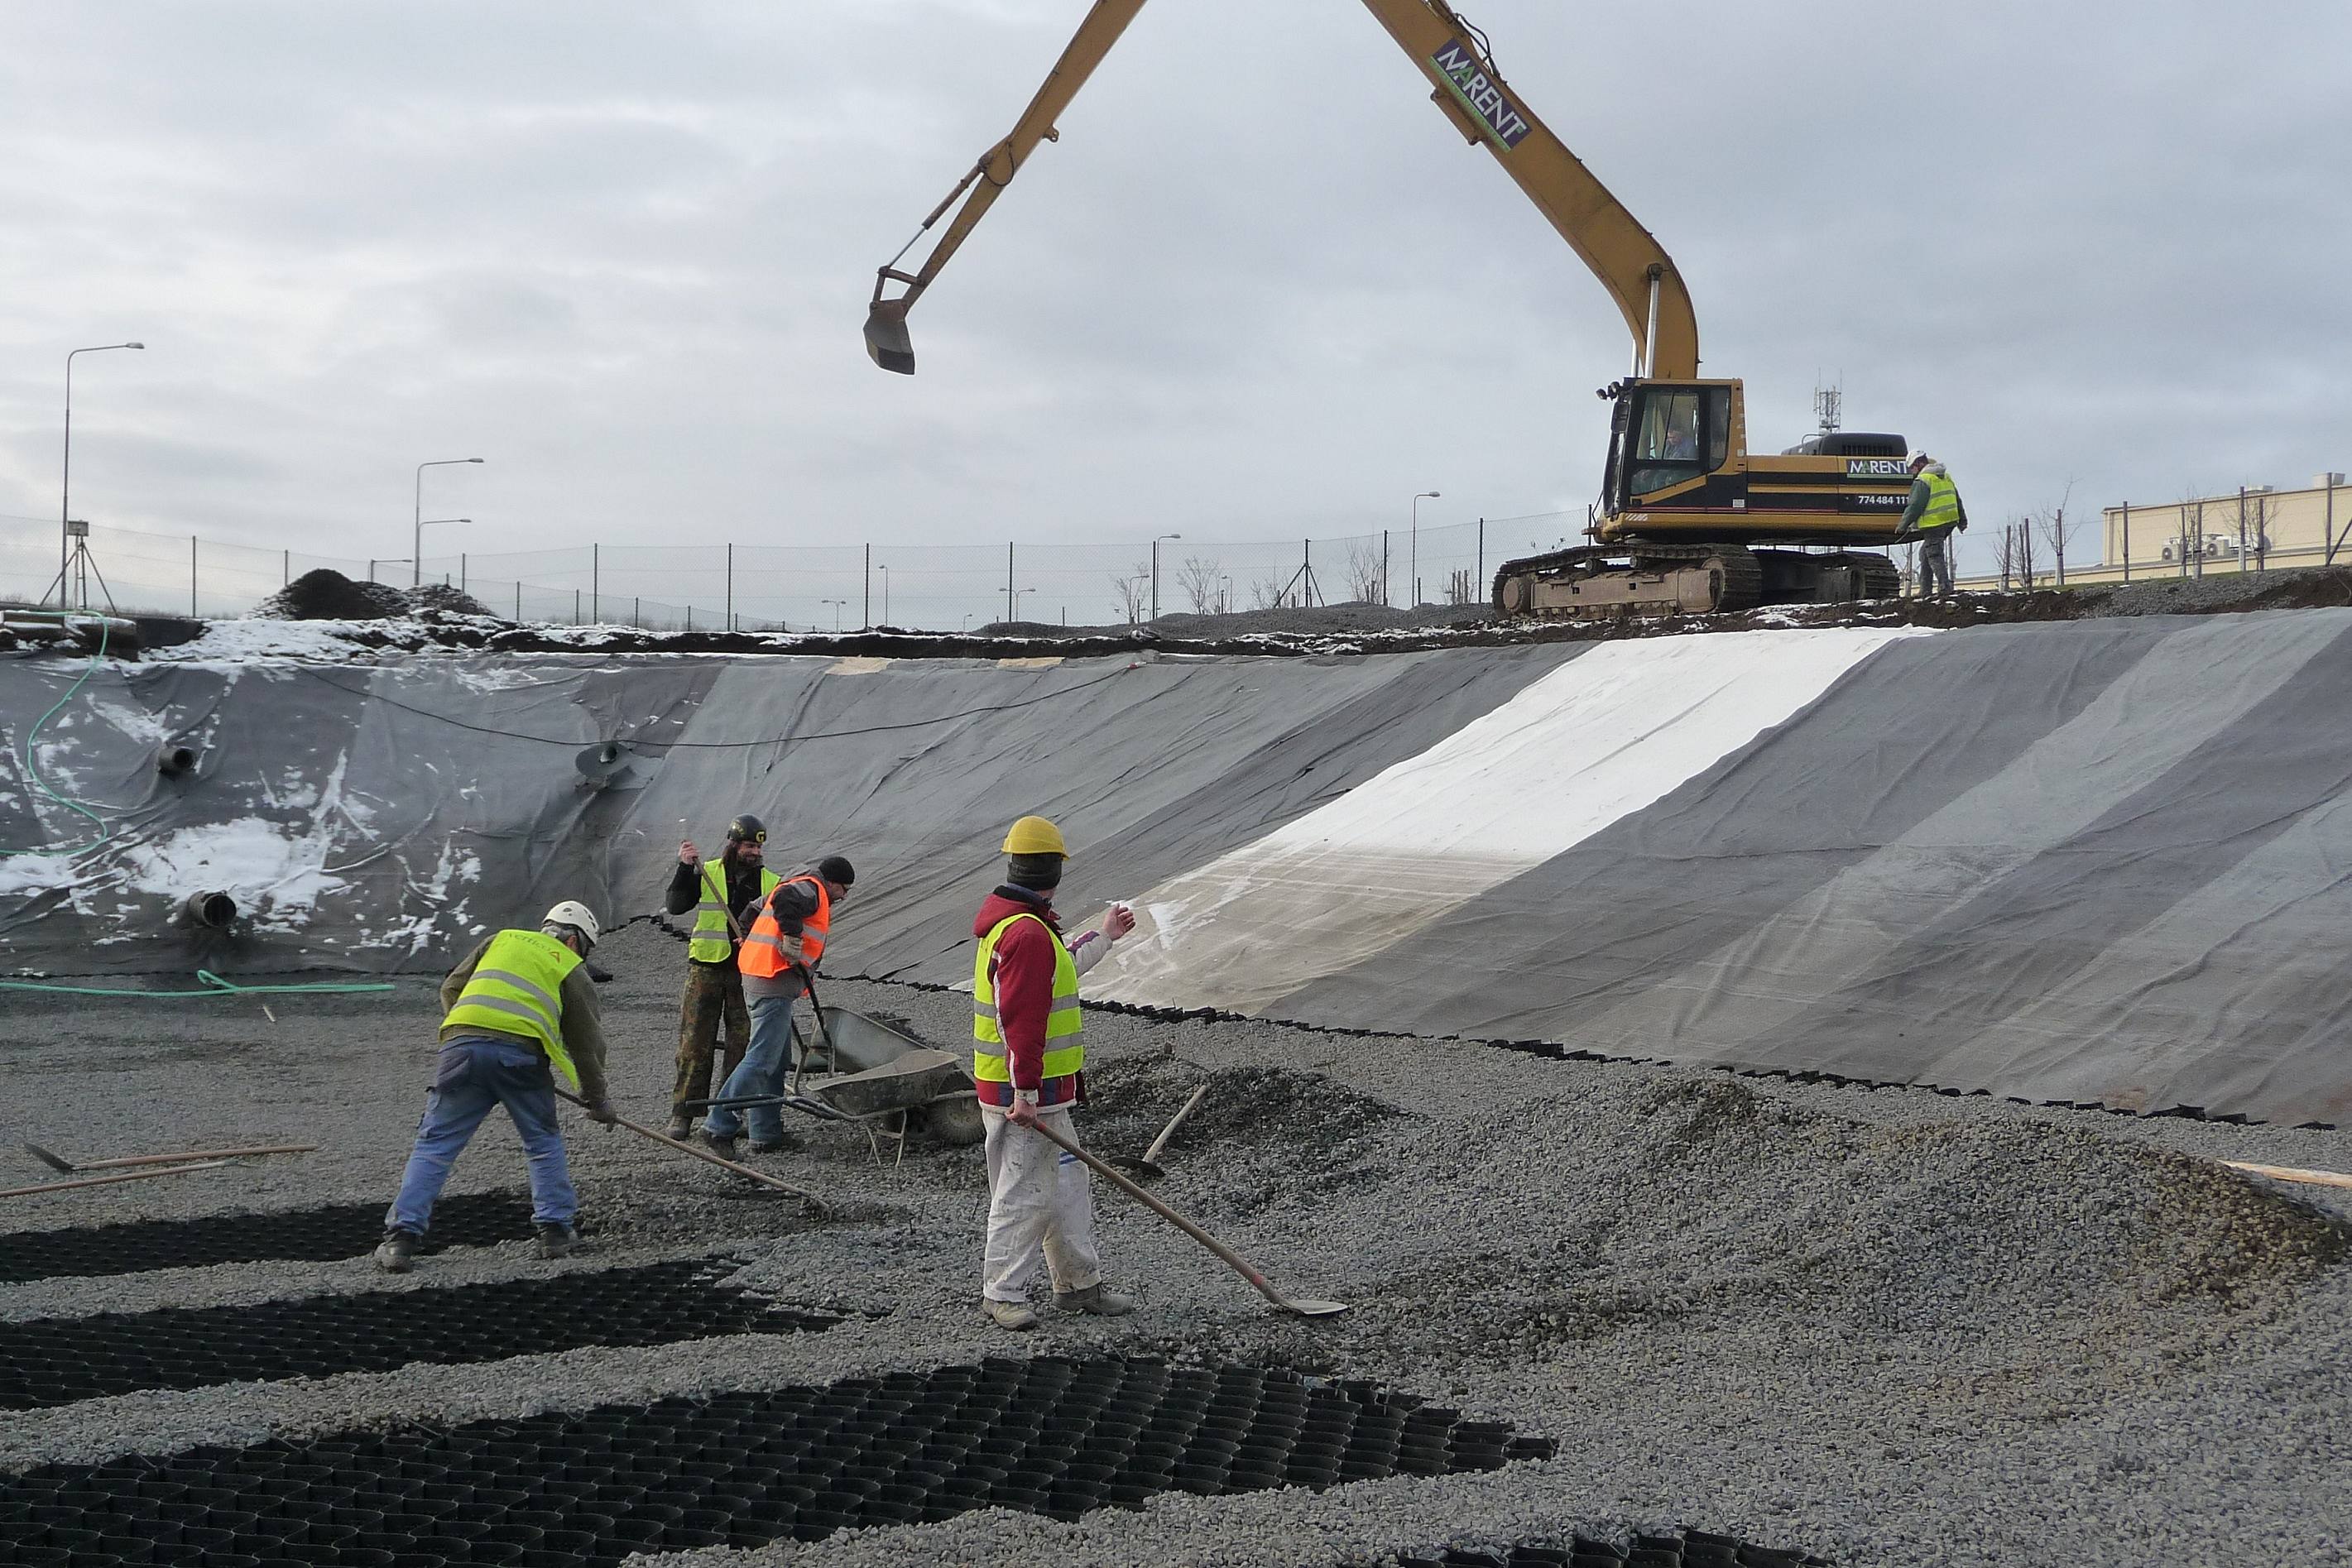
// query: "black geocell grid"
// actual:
[[1049, 1436], [1690, 1549], [298, 1235], [55, 1361]]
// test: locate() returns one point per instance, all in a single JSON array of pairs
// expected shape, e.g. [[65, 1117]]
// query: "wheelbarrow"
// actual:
[[881, 1078]]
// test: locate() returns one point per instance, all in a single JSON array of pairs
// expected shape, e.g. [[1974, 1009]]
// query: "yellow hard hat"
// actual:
[[1035, 836]]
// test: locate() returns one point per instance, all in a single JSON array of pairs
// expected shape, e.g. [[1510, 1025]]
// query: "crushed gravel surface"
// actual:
[[1880, 1325]]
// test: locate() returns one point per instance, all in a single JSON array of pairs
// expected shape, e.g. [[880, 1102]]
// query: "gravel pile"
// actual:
[[1877, 1325]]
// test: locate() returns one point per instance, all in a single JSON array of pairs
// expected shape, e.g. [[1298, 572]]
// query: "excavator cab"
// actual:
[[1665, 437]]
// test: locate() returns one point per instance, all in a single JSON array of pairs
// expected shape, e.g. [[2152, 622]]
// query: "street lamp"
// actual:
[[416, 554], [836, 604], [1155, 573], [65, 498], [1413, 557]]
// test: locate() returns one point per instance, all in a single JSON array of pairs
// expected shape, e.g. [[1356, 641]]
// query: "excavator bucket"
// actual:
[[886, 337]]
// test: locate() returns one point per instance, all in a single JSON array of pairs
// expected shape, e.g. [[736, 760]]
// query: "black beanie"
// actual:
[[835, 869], [1037, 872]]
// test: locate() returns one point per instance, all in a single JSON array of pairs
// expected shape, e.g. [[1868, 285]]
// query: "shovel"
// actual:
[[763, 1177], [58, 1161], [1225, 1254], [1148, 1167]]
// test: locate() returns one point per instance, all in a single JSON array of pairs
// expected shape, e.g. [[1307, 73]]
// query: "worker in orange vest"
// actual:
[[779, 954]]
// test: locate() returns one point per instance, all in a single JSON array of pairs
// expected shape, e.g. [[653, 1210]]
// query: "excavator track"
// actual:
[[1639, 577]]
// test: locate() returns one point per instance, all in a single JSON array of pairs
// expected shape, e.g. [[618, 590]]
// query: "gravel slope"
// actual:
[[1885, 1327]]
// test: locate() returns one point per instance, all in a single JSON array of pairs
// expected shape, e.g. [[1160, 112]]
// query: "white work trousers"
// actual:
[[1040, 1205]]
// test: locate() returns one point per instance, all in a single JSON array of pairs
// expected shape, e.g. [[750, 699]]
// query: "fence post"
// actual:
[[595, 584], [286, 569], [690, 617], [518, 601], [1479, 582], [1305, 570], [635, 600], [1008, 581], [869, 585], [461, 571], [371, 569], [731, 585], [575, 607], [191, 577], [1388, 599], [2126, 541]]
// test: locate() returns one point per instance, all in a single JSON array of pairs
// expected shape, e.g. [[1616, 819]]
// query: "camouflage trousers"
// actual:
[[714, 997]]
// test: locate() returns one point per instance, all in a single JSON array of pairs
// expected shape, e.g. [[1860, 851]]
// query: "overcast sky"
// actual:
[[1259, 290]]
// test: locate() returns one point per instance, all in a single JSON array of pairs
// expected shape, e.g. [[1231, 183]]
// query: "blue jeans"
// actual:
[[761, 1071], [475, 1075]]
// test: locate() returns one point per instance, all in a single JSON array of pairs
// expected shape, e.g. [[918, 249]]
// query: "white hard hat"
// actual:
[[577, 915]]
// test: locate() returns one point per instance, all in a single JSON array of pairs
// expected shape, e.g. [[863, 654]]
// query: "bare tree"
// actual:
[[1459, 587], [2050, 524], [1132, 593], [1199, 579], [1364, 574], [2016, 559], [1268, 593]]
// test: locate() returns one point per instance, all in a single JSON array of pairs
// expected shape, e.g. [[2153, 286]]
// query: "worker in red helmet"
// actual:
[[725, 896], [1028, 1065]]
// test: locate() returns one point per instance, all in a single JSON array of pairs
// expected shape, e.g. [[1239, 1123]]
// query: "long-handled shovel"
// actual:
[[58, 1161], [763, 1177], [1225, 1254], [110, 1180], [1147, 1168]]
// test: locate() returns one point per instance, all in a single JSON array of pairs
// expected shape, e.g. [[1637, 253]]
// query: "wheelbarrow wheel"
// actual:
[[954, 1119]]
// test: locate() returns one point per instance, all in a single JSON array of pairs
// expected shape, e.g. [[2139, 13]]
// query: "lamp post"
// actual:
[[885, 594], [836, 604], [1412, 555], [65, 495], [1155, 573], [432, 523], [416, 552]]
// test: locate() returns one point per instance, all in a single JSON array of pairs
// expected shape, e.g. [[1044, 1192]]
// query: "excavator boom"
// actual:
[[886, 318]]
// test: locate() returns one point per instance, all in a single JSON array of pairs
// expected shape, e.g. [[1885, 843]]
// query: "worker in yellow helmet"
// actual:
[[1027, 1062], [517, 1012]]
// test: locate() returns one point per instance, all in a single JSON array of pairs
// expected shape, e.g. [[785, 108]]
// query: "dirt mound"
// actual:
[[451, 601], [327, 594]]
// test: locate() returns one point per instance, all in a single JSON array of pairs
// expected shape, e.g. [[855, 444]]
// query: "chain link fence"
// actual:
[[802, 588]]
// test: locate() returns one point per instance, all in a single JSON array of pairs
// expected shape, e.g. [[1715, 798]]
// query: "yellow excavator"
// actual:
[[1686, 508]]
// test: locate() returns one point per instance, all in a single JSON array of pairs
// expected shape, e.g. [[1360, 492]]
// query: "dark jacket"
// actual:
[[743, 891], [584, 1032]]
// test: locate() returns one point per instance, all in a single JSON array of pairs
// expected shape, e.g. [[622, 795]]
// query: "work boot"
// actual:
[[1093, 1298], [721, 1144], [785, 1144], [397, 1252], [680, 1128], [1014, 1315], [558, 1241]]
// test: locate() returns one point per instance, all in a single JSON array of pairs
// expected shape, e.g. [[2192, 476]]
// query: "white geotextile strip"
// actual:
[[1603, 736]]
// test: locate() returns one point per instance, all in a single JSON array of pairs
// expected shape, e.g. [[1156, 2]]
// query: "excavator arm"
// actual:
[[885, 319], [1452, 54]]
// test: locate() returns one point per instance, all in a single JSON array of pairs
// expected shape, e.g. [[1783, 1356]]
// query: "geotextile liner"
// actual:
[[295, 1235], [2100, 861], [1049, 1436], [57, 1361]]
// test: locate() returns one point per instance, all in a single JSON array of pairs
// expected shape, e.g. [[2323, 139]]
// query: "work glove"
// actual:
[[603, 1113]]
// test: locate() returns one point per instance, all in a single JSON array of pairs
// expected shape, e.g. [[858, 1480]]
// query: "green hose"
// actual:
[[33, 773], [214, 986]]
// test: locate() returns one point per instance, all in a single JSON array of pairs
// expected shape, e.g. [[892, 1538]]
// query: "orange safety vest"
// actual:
[[764, 948]]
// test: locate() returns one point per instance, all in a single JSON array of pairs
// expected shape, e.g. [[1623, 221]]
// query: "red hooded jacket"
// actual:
[[1023, 977]]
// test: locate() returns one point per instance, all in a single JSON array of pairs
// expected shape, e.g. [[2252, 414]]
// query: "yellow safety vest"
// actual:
[[714, 939], [1942, 507], [1062, 1023], [517, 989]]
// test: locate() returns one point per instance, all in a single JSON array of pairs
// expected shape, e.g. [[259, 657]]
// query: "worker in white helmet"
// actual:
[[519, 1011]]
